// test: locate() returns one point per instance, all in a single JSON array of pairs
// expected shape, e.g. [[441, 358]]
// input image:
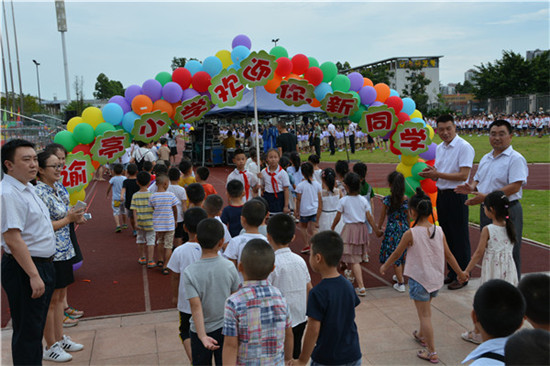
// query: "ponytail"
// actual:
[[329, 177], [422, 204], [500, 205], [307, 171]]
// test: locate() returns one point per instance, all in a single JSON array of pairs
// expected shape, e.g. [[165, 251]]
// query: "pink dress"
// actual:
[[426, 258]]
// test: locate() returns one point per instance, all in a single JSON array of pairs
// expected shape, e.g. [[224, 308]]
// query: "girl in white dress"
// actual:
[[330, 196], [495, 246]]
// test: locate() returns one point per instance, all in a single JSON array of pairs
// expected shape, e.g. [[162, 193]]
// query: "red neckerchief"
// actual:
[[246, 184], [274, 183]]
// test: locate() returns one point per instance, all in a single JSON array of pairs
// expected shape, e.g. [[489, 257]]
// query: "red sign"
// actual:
[[257, 69], [151, 126], [193, 109], [296, 92], [226, 88], [379, 120], [411, 138], [339, 105]]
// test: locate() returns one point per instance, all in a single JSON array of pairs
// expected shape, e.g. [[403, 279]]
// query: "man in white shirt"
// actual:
[[28, 240], [332, 136], [502, 169], [352, 127], [453, 161]]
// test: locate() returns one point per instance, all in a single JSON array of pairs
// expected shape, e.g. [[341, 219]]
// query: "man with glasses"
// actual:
[[28, 240], [502, 169]]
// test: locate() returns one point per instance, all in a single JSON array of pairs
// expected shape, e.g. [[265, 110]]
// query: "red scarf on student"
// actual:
[[246, 184], [274, 183]]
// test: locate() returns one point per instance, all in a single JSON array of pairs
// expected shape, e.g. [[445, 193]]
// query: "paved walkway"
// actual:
[[385, 319]]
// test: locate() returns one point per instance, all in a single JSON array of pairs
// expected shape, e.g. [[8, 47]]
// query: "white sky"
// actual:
[[133, 41]]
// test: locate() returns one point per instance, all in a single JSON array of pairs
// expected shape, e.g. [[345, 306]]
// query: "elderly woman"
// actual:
[[56, 200]]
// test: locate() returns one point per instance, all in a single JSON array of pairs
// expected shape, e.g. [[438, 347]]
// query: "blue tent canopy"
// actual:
[[267, 103]]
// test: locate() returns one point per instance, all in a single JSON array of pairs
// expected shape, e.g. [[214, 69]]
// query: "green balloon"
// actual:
[[66, 139], [103, 127], [83, 133], [417, 168], [278, 51], [313, 62], [163, 77], [356, 117], [329, 70], [411, 185], [340, 83]]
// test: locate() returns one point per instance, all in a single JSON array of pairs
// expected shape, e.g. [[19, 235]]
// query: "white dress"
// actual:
[[498, 262], [330, 202]]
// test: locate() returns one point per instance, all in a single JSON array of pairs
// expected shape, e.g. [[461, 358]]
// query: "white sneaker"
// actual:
[[68, 345], [399, 287], [366, 258], [349, 275], [56, 354], [394, 278]]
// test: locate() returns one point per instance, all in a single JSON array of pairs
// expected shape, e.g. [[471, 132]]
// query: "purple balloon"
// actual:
[[367, 94], [430, 154], [131, 92], [122, 102], [241, 40], [207, 93], [356, 81], [376, 104], [188, 94], [153, 89], [171, 92]]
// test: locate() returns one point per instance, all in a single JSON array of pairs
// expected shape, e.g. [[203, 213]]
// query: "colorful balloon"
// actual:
[[416, 114], [411, 185], [92, 116], [417, 168], [409, 160], [284, 66], [84, 133], [142, 104], [428, 186], [356, 81], [131, 92], [404, 169], [163, 77], [239, 53], [182, 77], [402, 117], [322, 90], [300, 64], [393, 93], [225, 58], [212, 65], [241, 40], [66, 139], [367, 82], [128, 121], [408, 106], [431, 132], [202, 80], [188, 94], [396, 103], [329, 70], [314, 75], [73, 122], [273, 84], [122, 102], [77, 196], [193, 66], [430, 153], [171, 92], [279, 51], [112, 113], [340, 83], [84, 148], [382, 92], [367, 94], [164, 106], [152, 89], [313, 62], [102, 128]]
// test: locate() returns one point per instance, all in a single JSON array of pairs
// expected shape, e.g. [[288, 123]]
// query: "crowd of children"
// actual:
[[245, 298]]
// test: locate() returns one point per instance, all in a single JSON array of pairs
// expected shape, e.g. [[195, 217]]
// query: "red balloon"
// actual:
[[431, 162], [300, 63], [182, 76], [396, 103], [284, 66], [84, 148], [428, 186], [201, 81], [314, 75], [402, 116]]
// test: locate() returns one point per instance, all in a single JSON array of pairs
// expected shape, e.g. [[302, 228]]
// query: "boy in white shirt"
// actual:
[[213, 206], [249, 180]]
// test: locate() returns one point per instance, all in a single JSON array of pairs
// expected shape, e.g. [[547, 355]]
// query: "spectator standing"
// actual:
[[332, 136], [286, 142]]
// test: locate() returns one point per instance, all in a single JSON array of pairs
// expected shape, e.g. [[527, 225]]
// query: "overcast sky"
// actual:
[[133, 41]]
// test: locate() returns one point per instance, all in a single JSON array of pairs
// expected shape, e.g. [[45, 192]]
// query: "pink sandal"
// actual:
[[428, 356], [418, 339]]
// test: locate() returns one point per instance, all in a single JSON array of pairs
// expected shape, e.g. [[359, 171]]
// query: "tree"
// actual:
[[378, 74], [180, 62], [416, 87], [342, 67], [31, 104], [466, 88], [78, 105], [105, 88]]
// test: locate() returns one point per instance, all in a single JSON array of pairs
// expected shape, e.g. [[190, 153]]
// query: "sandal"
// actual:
[[160, 263], [472, 336], [428, 356], [73, 313], [165, 271], [151, 264], [419, 339]]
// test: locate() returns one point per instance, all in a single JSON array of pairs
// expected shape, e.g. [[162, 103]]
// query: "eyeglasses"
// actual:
[[56, 167]]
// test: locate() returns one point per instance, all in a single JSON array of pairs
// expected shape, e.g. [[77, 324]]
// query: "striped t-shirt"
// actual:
[[163, 216], [144, 217]]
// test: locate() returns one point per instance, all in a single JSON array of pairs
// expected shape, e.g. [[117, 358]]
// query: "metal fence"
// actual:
[[39, 129], [534, 103]]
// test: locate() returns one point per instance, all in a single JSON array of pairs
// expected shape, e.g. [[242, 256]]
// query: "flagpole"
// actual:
[[256, 125], [5, 74], [17, 58], [9, 57]]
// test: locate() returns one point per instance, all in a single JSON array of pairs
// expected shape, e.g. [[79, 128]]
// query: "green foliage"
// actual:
[[512, 75], [416, 87], [30, 104], [180, 62], [342, 67], [105, 88], [466, 88], [379, 74], [78, 106]]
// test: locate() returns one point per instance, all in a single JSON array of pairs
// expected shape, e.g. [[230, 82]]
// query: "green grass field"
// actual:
[[534, 149]]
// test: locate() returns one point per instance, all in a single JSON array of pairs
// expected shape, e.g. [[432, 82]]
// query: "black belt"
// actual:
[[34, 259], [513, 203], [329, 211]]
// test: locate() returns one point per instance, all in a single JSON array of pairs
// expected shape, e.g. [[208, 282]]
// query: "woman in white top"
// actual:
[[309, 203]]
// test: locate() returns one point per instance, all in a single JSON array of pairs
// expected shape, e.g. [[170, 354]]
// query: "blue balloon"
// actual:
[[394, 93], [409, 106], [212, 65], [233, 66], [239, 53], [418, 120], [193, 66], [321, 90], [112, 113], [128, 121]]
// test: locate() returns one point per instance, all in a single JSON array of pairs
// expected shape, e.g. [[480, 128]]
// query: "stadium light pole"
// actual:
[[62, 28], [38, 82]]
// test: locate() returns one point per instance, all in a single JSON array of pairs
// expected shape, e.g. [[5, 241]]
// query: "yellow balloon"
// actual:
[[77, 196], [431, 132], [93, 116], [225, 58], [416, 114], [73, 122], [404, 169], [409, 160]]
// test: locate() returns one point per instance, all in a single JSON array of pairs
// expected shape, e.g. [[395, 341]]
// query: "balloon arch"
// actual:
[[146, 112]]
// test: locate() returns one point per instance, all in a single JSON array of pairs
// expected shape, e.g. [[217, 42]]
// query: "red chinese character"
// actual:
[[111, 146], [230, 85], [294, 92], [338, 105], [75, 174], [413, 138], [194, 109], [150, 128], [259, 70], [379, 121]]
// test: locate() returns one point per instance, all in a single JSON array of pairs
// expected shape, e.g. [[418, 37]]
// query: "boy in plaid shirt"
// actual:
[[257, 324]]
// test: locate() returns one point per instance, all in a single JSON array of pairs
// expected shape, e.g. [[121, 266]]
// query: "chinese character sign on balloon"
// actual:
[[226, 89], [257, 69], [193, 109], [151, 126], [378, 121], [339, 105], [110, 146], [411, 138], [296, 92], [78, 171]]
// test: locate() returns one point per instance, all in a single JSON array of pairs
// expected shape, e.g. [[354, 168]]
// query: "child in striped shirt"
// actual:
[[143, 214]]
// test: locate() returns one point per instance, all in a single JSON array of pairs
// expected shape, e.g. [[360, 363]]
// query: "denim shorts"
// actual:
[[306, 219], [418, 292]]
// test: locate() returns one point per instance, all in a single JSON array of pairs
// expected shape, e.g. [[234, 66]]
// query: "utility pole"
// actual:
[[17, 58], [9, 58], [5, 75], [62, 28], [38, 82]]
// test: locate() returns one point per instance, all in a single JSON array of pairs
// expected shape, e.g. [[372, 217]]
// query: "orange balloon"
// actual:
[[273, 84], [142, 104], [95, 164], [367, 82], [164, 106], [382, 92], [420, 160], [293, 76], [175, 105], [315, 103]]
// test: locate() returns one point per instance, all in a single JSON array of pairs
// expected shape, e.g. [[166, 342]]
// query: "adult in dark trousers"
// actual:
[[28, 240], [453, 162], [332, 136], [502, 169], [317, 138], [286, 141], [352, 128]]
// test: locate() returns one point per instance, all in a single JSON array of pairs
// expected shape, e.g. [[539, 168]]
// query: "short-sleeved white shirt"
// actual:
[[236, 245], [331, 129], [23, 210], [226, 234], [281, 177], [143, 153], [310, 197], [353, 208], [252, 181], [449, 158], [181, 195], [496, 172], [181, 258], [291, 276]]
